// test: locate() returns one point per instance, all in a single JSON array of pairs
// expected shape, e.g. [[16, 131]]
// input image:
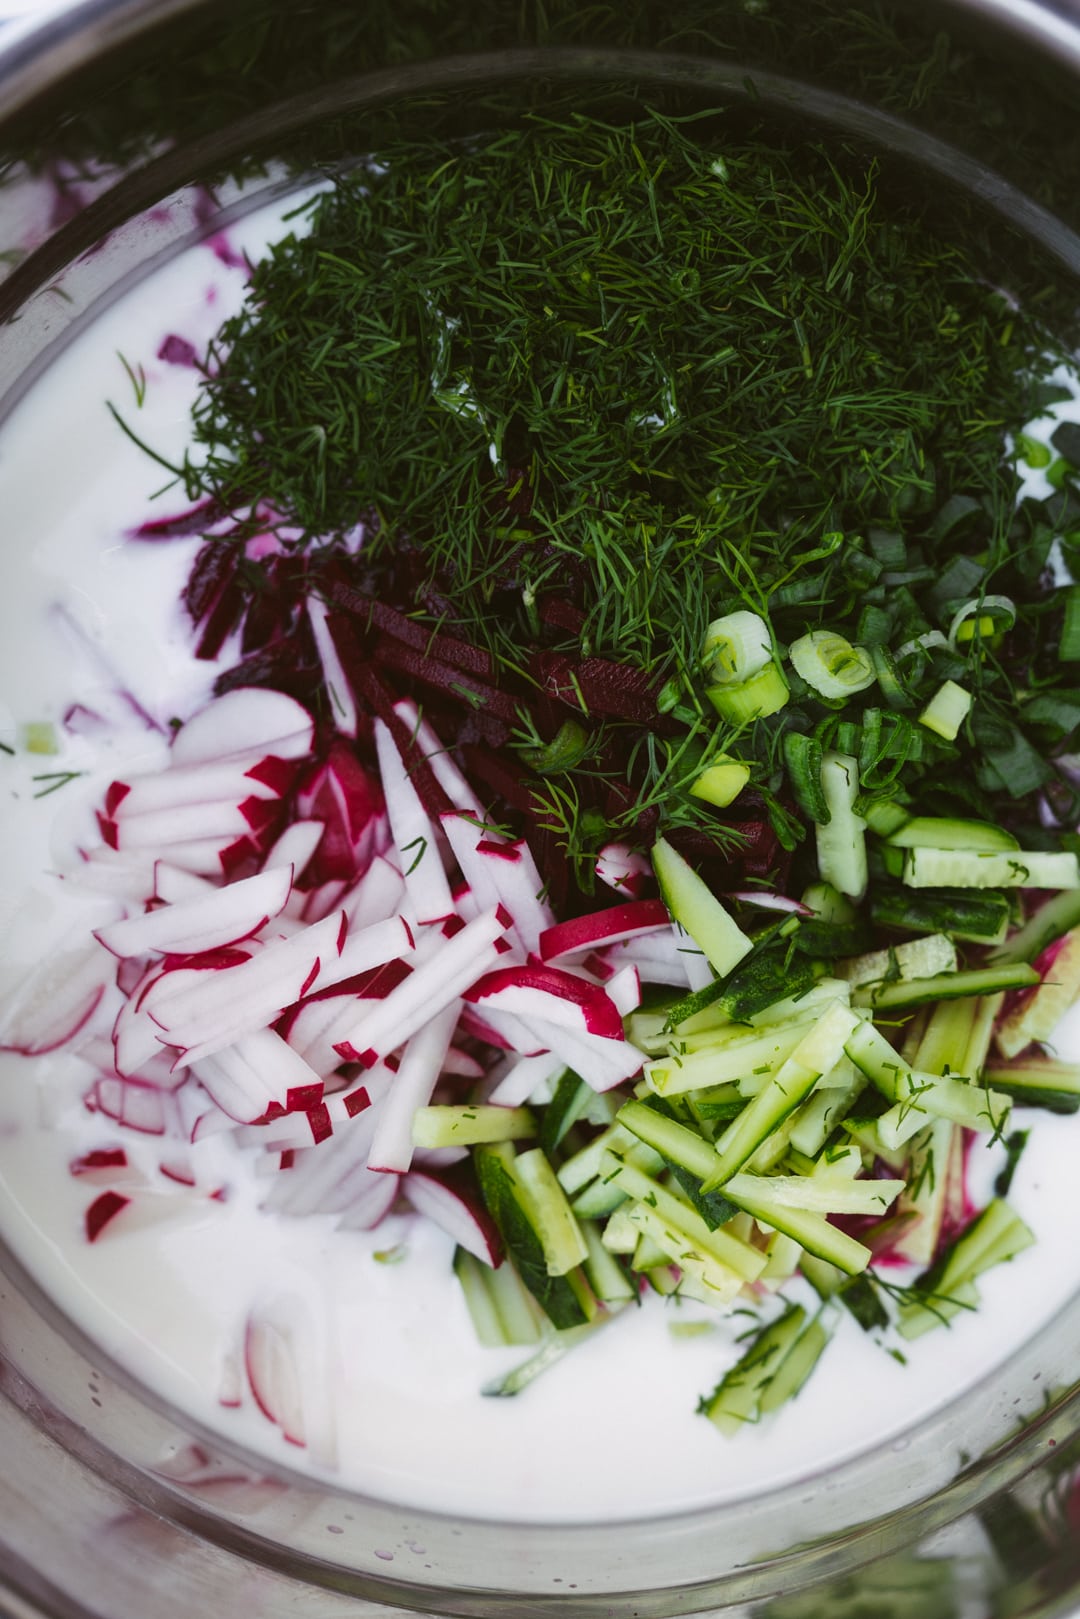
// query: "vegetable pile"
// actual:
[[635, 824]]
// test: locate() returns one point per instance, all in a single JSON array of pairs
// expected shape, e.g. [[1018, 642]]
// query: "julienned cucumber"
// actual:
[[841, 841], [772, 1370], [816, 1053], [944, 832], [967, 868], [696, 909], [946, 986], [994, 1237]]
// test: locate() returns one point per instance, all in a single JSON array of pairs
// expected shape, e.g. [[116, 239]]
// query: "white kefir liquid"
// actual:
[[393, 1371]]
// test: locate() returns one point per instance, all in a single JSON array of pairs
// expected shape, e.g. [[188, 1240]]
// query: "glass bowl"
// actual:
[[135, 129]]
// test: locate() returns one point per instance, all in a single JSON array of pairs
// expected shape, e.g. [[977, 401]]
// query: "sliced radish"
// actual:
[[295, 847], [452, 1203], [421, 1064], [348, 800], [250, 720], [273, 1371], [179, 787], [521, 1078], [583, 933], [445, 771], [413, 834], [432, 986], [54, 1001], [551, 993], [342, 702], [379, 893], [258, 1072], [104, 1160], [216, 919], [175, 886], [624, 990], [627, 870], [102, 1211], [139, 1107]]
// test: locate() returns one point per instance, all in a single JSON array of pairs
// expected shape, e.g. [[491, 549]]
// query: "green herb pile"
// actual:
[[662, 375]]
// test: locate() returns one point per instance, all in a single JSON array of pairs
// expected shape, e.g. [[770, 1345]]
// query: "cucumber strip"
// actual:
[[607, 1277], [523, 1321], [816, 1195], [721, 782], [584, 1166], [841, 843], [747, 1262], [822, 1112], [721, 1284], [1057, 917], [884, 817], [511, 1209], [470, 1125], [570, 1100], [946, 986], [812, 1231], [795, 1368], [996, 1236], [828, 904], [620, 1235], [809, 1003], [946, 1039], [736, 1398], [696, 908], [485, 1318], [726, 1059], [915, 958], [669, 1138], [962, 913], [1038, 1082], [964, 868], [973, 1107], [947, 832], [597, 1202], [929, 1175], [817, 1052], [783, 1256], [549, 1354], [987, 1011], [553, 1220]]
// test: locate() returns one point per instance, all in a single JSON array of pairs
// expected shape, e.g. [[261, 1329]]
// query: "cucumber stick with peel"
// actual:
[[698, 912]]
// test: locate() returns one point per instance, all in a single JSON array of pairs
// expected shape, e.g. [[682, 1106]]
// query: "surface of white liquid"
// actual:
[[611, 1432]]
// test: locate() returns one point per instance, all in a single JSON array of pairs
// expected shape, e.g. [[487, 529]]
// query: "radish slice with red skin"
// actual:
[[624, 990], [219, 822], [349, 801], [55, 1001], [175, 886], [628, 871], [522, 1078], [452, 1203], [371, 1203], [314, 904], [659, 957], [413, 834], [433, 985], [203, 1017], [377, 894], [105, 871], [249, 720], [139, 1107], [102, 1161], [552, 993], [222, 917], [331, 1177], [342, 703], [245, 1079], [273, 1372], [421, 1064], [601, 1063], [295, 847], [764, 901], [584, 933], [102, 1211], [461, 1065], [179, 787]]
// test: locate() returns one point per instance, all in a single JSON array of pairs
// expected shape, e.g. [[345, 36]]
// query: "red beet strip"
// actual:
[[472, 660]]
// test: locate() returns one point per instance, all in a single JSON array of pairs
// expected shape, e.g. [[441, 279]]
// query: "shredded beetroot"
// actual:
[[561, 614], [214, 568], [615, 690], [444, 677], [377, 615]]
